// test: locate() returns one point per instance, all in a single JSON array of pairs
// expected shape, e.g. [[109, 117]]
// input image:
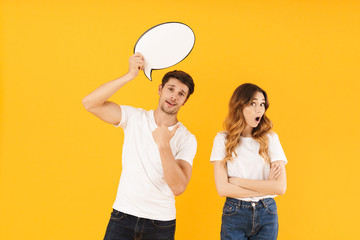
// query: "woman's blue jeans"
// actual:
[[124, 226], [249, 220]]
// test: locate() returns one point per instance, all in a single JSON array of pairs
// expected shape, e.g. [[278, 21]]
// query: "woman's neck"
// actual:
[[246, 132]]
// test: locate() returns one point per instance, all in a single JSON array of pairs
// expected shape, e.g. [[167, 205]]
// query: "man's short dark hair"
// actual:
[[182, 77]]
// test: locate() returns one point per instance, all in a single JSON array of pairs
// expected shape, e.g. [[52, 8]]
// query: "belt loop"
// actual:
[[263, 202]]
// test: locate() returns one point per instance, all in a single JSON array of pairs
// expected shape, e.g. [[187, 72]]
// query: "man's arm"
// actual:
[[96, 102], [177, 172], [269, 187], [226, 189]]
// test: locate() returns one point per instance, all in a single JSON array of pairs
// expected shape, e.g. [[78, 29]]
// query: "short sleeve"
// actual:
[[276, 152], [188, 150], [218, 150], [126, 113]]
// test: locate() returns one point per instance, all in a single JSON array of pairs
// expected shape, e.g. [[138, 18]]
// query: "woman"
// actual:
[[249, 167]]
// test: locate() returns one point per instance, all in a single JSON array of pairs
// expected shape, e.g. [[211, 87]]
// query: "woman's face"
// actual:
[[255, 110]]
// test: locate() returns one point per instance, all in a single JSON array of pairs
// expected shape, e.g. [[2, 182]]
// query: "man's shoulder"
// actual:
[[185, 143], [134, 114], [130, 110], [184, 133]]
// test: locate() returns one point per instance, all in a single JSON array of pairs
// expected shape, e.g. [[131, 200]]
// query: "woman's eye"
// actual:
[[252, 104]]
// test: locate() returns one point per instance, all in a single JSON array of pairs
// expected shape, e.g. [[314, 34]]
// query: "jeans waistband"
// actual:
[[136, 217], [240, 203]]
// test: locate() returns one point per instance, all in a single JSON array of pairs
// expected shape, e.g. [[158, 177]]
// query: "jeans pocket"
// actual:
[[164, 224], [117, 216], [229, 209], [271, 208]]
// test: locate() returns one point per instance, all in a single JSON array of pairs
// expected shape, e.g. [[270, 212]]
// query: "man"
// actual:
[[157, 155]]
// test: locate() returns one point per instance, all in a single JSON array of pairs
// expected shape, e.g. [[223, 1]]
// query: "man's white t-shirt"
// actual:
[[248, 163], [143, 191]]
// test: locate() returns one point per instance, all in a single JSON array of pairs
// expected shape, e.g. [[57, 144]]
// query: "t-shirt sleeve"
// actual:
[[276, 152], [126, 113], [218, 150], [188, 150]]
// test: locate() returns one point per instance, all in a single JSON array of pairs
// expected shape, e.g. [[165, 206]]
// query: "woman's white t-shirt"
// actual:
[[248, 163]]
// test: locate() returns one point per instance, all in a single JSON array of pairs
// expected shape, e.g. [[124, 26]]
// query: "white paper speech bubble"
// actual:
[[165, 45]]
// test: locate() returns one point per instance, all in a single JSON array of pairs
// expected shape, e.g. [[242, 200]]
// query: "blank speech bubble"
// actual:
[[165, 45]]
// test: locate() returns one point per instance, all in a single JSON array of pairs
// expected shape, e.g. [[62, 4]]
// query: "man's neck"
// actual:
[[164, 119]]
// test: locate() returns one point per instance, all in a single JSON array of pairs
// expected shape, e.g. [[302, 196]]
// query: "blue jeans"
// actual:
[[124, 226], [249, 220]]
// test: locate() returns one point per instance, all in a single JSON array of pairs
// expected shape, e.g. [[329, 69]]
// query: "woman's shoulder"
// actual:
[[221, 135], [273, 137]]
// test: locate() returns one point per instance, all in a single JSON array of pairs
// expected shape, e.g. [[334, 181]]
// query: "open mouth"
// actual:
[[170, 103], [257, 119]]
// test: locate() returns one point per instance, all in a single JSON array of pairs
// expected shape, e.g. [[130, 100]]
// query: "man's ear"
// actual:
[[160, 89]]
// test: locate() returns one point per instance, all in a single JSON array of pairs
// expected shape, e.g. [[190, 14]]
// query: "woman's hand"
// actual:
[[274, 171]]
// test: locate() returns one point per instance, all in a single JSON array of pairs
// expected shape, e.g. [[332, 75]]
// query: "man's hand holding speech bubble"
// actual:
[[165, 45]]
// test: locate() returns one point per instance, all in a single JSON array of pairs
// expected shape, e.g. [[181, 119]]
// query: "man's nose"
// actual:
[[173, 96]]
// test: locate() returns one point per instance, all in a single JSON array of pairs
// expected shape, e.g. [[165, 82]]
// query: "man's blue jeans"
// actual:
[[128, 227], [249, 220]]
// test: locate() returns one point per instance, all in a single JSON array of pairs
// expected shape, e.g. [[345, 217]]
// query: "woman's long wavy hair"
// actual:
[[235, 122]]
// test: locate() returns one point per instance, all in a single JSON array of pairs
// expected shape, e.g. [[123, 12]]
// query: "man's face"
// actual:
[[172, 96]]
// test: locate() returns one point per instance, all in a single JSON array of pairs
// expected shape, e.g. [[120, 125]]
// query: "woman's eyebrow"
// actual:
[[258, 99]]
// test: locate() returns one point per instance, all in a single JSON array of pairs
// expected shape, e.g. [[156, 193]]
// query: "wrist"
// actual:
[[128, 77], [163, 145], [235, 180]]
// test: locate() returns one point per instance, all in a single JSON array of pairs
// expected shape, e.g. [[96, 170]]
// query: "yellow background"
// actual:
[[60, 165]]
